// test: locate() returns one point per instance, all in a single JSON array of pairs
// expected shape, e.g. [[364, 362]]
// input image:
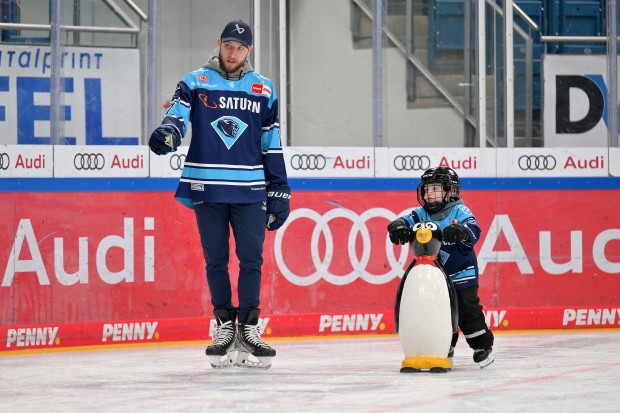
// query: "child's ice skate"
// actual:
[[483, 357]]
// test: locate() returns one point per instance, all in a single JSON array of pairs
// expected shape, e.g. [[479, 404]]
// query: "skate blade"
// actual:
[[219, 362], [244, 360]]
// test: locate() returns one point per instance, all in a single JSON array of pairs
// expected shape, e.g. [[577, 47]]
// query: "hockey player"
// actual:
[[234, 176], [439, 196]]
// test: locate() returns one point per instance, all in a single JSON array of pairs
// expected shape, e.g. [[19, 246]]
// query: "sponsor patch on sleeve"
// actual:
[[261, 89]]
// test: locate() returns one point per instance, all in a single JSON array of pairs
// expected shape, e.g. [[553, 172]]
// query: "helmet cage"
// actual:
[[449, 181]]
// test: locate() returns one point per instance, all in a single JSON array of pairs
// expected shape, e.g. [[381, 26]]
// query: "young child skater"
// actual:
[[439, 196]]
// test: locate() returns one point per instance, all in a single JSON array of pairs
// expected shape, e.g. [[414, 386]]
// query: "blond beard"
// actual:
[[222, 63]]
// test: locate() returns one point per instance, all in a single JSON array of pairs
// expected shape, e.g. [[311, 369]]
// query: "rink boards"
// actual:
[[109, 261]]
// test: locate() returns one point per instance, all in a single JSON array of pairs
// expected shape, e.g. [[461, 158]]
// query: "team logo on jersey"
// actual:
[[229, 129], [261, 89]]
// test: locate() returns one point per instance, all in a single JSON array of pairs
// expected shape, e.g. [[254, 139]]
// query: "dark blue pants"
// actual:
[[248, 225]]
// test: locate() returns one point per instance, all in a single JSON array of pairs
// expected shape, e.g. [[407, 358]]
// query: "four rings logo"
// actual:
[[177, 162], [412, 163], [322, 257], [308, 162], [89, 161], [537, 162], [5, 161]]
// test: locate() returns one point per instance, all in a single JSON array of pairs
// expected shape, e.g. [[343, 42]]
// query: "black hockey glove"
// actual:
[[278, 206], [455, 233], [164, 139], [399, 232]]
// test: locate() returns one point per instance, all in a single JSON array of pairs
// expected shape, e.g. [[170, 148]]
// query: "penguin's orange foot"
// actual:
[[431, 364]]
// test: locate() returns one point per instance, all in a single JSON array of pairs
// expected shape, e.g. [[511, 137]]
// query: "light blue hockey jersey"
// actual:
[[459, 259], [235, 152]]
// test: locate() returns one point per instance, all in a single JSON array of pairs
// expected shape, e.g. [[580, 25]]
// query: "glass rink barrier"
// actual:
[[546, 371]]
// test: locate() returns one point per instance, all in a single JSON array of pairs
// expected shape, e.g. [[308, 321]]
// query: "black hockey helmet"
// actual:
[[449, 181]]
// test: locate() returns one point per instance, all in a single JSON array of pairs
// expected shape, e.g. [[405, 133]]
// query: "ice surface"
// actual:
[[576, 371]]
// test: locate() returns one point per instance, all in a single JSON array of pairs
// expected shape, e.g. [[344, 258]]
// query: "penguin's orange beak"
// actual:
[[423, 235]]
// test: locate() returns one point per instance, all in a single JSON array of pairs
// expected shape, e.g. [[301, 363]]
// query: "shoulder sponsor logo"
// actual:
[[591, 317], [198, 187], [202, 78], [261, 89], [201, 85], [130, 331], [351, 322], [32, 337]]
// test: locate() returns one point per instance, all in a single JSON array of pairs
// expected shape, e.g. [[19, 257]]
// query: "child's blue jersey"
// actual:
[[235, 152], [458, 260]]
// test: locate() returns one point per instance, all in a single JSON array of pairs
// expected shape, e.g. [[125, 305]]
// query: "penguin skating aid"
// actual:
[[426, 310]]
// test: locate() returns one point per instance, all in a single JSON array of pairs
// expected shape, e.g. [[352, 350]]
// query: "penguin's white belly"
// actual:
[[425, 321]]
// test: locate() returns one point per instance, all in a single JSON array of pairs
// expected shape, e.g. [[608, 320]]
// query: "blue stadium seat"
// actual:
[[554, 17], [577, 18]]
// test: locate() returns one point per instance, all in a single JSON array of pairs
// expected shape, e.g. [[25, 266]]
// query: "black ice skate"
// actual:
[[222, 351], [249, 343], [483, 357]]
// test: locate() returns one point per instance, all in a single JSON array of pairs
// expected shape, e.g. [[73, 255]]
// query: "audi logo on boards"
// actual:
[[322, 257], [308, 162], [5, 161], [177, 162], [89, 161], [537, 162], [412, 163]]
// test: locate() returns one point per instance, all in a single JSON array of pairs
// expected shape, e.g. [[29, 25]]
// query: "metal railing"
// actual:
[[55, 28], [464, 109], [417, 63], [132, 29], [529, 63]]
